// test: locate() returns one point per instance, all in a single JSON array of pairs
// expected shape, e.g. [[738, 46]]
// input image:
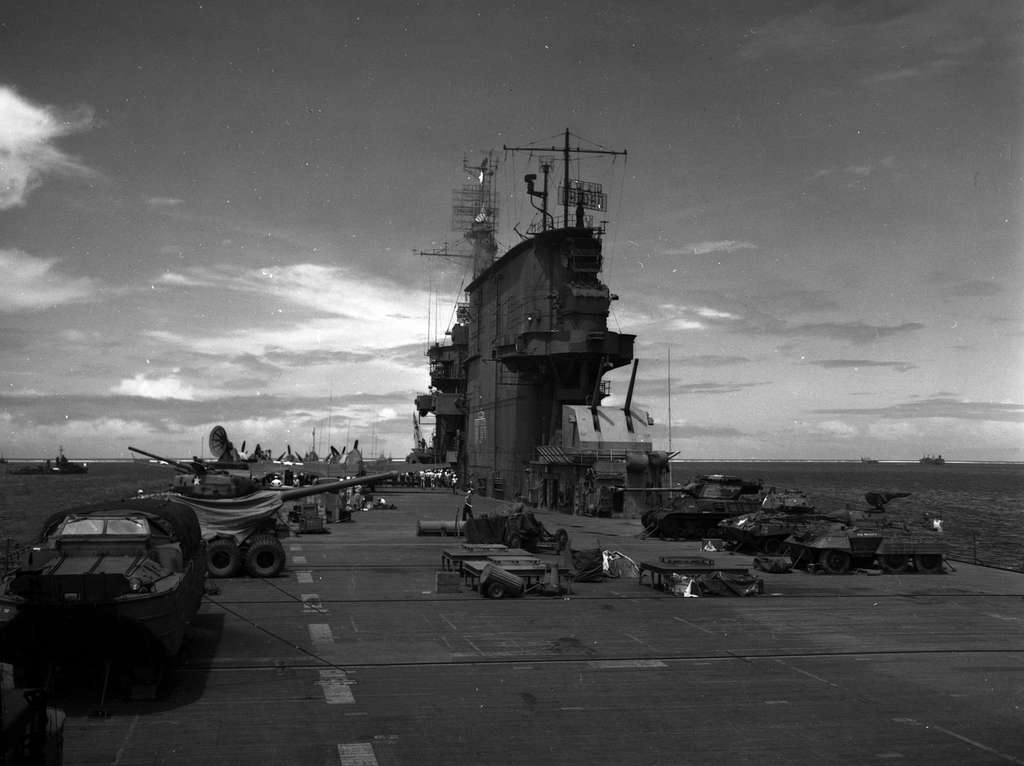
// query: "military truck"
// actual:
[[242, 521]]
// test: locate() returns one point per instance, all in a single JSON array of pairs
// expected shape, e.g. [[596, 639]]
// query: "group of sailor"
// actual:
[[430, 479]]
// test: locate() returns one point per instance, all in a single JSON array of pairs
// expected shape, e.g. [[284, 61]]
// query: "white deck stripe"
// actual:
[[304, 576], [357, 754], [320, 633], [337, 687], [311, 603], [299, 560], [295, 547]]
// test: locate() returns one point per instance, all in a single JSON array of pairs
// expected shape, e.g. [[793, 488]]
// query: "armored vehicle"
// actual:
[[782, 513], [702, 504], [116, 581], [866, 538]]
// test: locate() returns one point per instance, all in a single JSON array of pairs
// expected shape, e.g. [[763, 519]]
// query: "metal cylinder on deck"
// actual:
[[442, 528]]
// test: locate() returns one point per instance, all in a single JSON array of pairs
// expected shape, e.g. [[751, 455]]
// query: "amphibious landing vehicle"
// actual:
[[117, 581]]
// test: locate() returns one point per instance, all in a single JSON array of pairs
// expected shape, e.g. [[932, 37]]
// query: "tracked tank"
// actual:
[[701, 505], [870, 538], [782, 513]]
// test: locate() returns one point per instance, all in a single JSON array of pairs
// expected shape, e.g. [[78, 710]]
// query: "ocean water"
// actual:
[[981, 504], [26, 501]]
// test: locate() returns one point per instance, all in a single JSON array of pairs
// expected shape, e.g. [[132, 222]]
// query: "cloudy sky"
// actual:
[[212, 212]]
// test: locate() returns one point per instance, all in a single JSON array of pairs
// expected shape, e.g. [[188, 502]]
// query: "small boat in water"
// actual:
[[59, 466], [115, 582]]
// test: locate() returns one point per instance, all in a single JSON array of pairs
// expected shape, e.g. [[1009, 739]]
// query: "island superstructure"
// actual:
[[517, 388]]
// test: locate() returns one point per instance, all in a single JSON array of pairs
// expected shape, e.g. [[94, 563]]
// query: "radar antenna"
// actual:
[[583, 195], [474, 216]]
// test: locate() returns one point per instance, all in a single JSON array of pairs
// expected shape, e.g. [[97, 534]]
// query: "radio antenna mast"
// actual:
[[583, 194]]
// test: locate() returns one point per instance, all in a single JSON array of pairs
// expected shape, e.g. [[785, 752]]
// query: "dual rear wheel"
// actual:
[[264, 557], [223, 559]]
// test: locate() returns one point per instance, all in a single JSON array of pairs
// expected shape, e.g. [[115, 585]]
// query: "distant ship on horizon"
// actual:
[[932, 460], [868, 460]]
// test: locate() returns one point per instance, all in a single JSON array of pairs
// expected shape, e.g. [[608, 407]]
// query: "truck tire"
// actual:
[[223, 559], [835, 561], [494, 590], [928, 563], [265, 557], [894, 563]]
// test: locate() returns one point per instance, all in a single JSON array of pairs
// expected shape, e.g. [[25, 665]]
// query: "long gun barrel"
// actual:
[[294, 493], [193, 467]]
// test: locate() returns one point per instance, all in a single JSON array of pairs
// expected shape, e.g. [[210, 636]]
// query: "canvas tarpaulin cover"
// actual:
[[236, 516], [773, 563], [588, 565], [520, 529], [486, 529], [728, 584]]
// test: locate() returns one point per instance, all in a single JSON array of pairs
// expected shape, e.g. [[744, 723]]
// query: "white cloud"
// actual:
[[178, 280], [718, 246], [164, 201], [155, 388], [686, 324], [339, 309], [27, 133], [834, 428], [33, 283], [709, 313]]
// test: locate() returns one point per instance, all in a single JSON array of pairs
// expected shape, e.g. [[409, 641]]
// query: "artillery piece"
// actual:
[[240, 520]]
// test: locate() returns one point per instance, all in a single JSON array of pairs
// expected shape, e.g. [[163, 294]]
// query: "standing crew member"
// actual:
[[467, 506]]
